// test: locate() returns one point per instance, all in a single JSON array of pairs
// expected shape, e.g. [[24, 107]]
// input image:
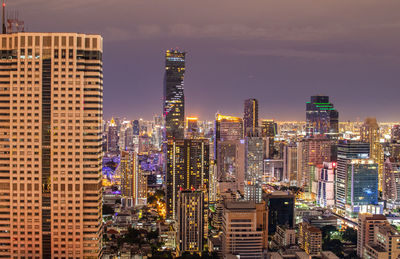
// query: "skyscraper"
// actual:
[[347, 150], [370, 133], [395, 133], [321, 117], [127, 169], [290, 164], [391, 180], [51, 120], [268, 130], [190, 220], [312, 152], [254, 162], [174, 98], [250, 119], [280, 210], [227, 146], [362, 185], [112, 137], [187, 169]]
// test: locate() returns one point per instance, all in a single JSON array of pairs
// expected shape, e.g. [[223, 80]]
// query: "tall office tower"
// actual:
[[231, 161], [117, 121], [244, 229], [325, 184], [391, 180], [192, 127], [395, 133], [192, 124], [51, 120], [190, 220], [365, 233], [174, 98], [347, 150], [310, 238], [128, 136], [140, 179], [370, 133], [250, 119], [280, 210], [362, 186], [269, 130], [112, 137], [315, 151], [254, 159], [273, 170], [187, 169], [386, 243], [321, 117], [290, 164], [121, 139], [136, 127], [127, 170], [228, 129]]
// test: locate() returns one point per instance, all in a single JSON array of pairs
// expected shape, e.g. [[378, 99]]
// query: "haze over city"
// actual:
[[280, 52]]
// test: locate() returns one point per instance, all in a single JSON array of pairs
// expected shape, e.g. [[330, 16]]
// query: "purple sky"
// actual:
[[278, 51]]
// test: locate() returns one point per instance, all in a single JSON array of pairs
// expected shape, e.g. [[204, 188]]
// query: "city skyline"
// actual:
[[278, 53]]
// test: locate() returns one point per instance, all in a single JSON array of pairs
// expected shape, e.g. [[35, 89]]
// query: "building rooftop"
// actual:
[[239, 205]]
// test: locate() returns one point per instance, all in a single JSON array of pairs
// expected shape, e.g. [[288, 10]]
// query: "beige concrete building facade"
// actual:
[[244, 229], [51, 107]]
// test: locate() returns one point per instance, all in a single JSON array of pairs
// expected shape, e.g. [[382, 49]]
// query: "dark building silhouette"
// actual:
[[280, 207], [174, 99], [250, 119], [321, 117]]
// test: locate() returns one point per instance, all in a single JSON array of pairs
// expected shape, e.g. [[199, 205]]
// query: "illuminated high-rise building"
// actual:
[[51, 119], [391, 180], [174, 98], [187, 169], [227, 140], [136, 127], [313, 151], [395, 133], [112, 137], [228, 128], [365, 232], [310, 238], [370, 133], [269, 130], [190, 220], [321, 117], [325, 183], [192, 124], [127, 170], [250, 119], [290, 164], [254, 159], [347, 150], [192, 127], [231, 162]]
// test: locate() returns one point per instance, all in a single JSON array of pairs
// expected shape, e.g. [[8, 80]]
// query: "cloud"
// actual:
[[306, 54]]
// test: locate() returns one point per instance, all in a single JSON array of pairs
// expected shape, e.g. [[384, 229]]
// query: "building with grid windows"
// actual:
[[51, 105]]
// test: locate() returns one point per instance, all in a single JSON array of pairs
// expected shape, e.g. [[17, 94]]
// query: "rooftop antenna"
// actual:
[[4, 31]]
